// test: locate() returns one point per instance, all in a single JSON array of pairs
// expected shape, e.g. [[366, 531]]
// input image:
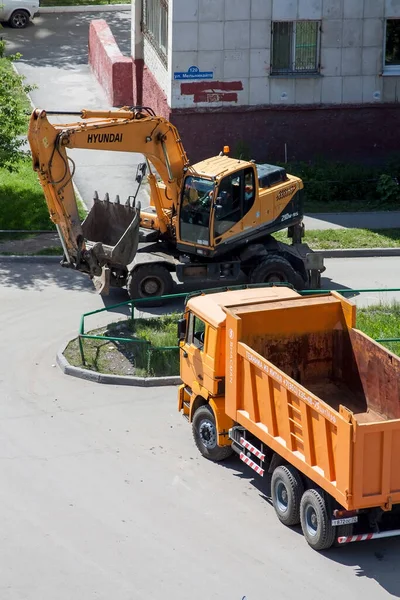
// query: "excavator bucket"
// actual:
[[111, 231]]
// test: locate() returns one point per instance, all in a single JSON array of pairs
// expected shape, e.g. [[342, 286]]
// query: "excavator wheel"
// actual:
[[149, 281], [276, 269]]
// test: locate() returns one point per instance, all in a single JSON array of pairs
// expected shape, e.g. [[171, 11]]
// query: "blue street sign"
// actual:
[[194, 73]]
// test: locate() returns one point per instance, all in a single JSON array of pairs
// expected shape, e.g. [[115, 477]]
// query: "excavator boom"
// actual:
[[110, 232]]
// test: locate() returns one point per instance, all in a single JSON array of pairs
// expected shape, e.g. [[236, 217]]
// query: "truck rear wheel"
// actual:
[[276, 269], [149, 281], [316, 520], [205, 435], [286, 491]]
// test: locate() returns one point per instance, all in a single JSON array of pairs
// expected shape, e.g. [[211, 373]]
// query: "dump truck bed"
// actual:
[[305, 381]]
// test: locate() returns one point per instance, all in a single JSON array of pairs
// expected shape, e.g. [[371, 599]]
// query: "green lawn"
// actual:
[[124, 358], [22, 204], [348, 238], [381, 321]]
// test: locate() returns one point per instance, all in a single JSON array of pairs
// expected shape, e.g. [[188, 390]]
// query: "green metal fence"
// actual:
[[150, 351]]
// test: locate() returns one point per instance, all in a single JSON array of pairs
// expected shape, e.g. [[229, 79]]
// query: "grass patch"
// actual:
[[22, 204], [124, 358], [381, 321], [331, 239], [53, 251]]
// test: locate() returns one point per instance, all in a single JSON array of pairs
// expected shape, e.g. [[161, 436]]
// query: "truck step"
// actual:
[[251, 464], [252, 449], [186, 409]]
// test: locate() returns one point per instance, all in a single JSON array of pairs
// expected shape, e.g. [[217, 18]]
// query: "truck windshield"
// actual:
[[197, 198]]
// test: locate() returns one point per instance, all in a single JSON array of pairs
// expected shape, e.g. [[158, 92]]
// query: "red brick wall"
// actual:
[[354, 133], [111, 68]]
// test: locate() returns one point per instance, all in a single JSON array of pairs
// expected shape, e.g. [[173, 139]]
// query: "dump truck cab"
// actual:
[[205, 346]]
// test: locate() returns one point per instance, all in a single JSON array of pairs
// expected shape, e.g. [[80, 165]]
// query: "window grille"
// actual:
[[295, 47], [155, 25]]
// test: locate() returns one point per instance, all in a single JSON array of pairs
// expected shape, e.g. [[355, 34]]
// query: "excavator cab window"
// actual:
[[236, 195], [197, 200]]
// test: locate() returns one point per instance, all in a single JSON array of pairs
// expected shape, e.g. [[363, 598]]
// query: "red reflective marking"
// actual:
[[210, 86]]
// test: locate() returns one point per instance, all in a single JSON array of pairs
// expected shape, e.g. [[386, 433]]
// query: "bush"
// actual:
[[13, 105], [363, 186]]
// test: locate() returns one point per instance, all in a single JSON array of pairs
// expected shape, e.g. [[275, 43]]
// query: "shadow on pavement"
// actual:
[[61, 40], [376, 560], [35, 276]]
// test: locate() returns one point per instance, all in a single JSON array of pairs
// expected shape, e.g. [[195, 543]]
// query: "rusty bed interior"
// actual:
[[340, 365]]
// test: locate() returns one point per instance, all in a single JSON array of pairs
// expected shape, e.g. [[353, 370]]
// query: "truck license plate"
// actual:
[[344, 521]]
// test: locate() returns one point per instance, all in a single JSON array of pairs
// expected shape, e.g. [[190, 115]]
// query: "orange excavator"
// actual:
[[208, 221]]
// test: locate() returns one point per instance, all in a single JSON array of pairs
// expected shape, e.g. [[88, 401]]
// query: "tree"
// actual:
[[13, 111]]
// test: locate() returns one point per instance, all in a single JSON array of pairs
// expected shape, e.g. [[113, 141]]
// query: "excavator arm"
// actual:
[[110, 234]]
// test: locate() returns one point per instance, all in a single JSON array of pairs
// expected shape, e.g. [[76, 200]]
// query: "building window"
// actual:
[[155, 25], [295, 47], [392, 47]]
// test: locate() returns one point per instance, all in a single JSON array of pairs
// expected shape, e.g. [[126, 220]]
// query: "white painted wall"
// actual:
[[232, 38]]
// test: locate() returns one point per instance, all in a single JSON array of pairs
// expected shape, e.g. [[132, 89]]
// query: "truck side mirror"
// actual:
[[181, 329]]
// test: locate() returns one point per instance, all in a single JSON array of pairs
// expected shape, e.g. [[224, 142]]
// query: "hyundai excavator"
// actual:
[[207, 221]]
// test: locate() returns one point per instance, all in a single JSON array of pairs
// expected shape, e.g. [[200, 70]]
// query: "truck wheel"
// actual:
[[276, 269], [315, 520], [19, 19], [149, 281], [286, 491], [205, 435]]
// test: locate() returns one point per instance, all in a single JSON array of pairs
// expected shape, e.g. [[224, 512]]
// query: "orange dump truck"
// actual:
[[291, 385]]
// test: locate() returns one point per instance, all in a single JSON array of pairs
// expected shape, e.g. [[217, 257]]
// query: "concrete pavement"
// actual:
[[104, 496]]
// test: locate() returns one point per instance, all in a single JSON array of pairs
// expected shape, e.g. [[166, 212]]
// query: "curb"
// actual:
[[30, 259], [343, 253], [48, 10], [359, 252], [68, 369]]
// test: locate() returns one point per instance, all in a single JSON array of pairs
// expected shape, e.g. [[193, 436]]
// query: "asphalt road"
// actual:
[[103, 494]]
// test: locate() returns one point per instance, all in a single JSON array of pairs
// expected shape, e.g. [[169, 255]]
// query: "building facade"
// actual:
[[302, 77]]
